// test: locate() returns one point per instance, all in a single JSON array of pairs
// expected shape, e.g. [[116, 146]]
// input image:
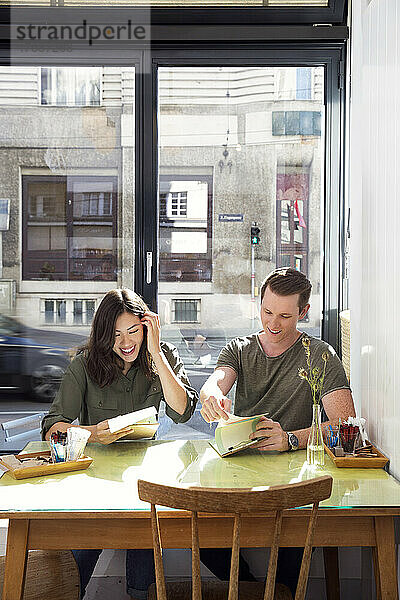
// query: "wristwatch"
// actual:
[[292, 441]]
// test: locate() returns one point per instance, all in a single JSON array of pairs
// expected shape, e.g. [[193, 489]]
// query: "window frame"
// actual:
[[335, 13], [332, 57], [69, 311]]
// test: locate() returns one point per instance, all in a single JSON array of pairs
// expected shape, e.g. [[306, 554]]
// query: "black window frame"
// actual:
[[335, 13]]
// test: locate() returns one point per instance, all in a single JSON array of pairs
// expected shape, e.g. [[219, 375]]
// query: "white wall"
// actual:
[[375, 248]]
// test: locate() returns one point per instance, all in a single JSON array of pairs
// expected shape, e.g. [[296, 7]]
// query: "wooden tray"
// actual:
[[50, 469], [359, 462]]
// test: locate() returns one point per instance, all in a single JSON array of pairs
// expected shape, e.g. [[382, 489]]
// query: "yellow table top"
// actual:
[[109, 484]]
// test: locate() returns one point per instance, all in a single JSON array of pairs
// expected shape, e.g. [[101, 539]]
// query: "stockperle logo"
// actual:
[[83, 32]]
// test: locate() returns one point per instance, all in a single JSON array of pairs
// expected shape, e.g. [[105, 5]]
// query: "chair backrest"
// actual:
[[240, 501], [49, 574]]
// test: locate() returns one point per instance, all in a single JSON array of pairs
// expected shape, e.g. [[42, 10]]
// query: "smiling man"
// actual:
[[265, 366]]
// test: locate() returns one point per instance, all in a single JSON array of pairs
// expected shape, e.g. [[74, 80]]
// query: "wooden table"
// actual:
[[99, 507]]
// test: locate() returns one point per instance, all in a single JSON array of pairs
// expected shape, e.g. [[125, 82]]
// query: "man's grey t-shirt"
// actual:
[[272, 384]]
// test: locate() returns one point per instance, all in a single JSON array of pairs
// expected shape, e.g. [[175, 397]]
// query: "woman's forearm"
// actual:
[[63, 426], [173, 389]]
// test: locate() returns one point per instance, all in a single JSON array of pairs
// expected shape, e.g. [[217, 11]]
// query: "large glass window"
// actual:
[[238, 146], [68, 218]]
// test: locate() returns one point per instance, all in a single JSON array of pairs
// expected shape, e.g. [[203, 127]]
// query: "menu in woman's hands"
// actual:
[[232, 436], [143, 424]]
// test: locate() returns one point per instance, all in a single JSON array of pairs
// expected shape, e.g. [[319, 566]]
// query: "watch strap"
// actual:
[[293, 441]]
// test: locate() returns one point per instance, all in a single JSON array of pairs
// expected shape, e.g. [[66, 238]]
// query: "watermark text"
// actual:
[[83, 32]]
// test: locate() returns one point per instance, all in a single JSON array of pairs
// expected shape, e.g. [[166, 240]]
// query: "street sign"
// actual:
[[228, 218]]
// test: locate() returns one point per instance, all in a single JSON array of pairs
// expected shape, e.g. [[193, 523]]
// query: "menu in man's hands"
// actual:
[[232, 436], [143, 424]]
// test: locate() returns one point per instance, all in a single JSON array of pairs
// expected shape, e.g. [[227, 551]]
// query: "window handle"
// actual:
[[149, 266]]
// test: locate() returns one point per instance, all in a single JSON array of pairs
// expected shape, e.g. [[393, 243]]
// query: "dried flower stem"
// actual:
[[314, 376]]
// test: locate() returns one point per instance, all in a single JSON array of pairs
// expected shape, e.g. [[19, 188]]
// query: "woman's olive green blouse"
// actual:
[[79, 397]]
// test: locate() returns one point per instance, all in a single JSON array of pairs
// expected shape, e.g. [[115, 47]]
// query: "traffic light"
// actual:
[[255, 238]]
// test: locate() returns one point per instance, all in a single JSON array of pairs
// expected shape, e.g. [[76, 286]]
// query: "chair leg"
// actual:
[[332, 581]]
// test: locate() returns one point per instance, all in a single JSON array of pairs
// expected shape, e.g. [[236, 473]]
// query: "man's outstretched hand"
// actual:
[[214, 409]]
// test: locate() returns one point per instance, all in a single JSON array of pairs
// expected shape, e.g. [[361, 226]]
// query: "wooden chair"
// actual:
[[50, 575], [237, 502]]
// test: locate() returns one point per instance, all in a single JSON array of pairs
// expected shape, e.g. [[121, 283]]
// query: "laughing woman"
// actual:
[[124, 367]]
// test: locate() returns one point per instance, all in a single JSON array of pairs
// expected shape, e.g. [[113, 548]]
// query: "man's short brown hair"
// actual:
[[287, 281]]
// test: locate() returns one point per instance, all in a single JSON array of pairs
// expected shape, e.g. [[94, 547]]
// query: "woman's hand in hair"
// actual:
[[152, 322], [103, 435]]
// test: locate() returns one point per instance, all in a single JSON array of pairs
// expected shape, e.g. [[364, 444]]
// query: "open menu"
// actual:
[[143, 424], [232, 436]]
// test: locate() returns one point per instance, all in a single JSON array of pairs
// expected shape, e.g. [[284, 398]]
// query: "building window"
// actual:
[[185, 209], [70, 86], [296, 122], [303, 83], [83, 311], [55, 311], [67, 312], [70, 228], [292, 222], [173, 205], [186, 311], [94, 204]]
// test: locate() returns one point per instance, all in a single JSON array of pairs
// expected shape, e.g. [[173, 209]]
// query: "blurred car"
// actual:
[[34, 360]]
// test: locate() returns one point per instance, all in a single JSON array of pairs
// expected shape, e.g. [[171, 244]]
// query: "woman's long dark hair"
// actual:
[[103, 364]]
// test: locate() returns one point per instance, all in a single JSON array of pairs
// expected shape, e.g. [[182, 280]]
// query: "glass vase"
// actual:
[[315, 444]]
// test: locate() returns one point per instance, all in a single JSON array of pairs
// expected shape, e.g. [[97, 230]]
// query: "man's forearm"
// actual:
[[218, 384], [303, 434], [337, 404], [215, 404], [211, 387]]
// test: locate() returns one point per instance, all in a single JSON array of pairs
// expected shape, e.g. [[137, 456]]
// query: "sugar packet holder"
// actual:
[[77, 439]]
